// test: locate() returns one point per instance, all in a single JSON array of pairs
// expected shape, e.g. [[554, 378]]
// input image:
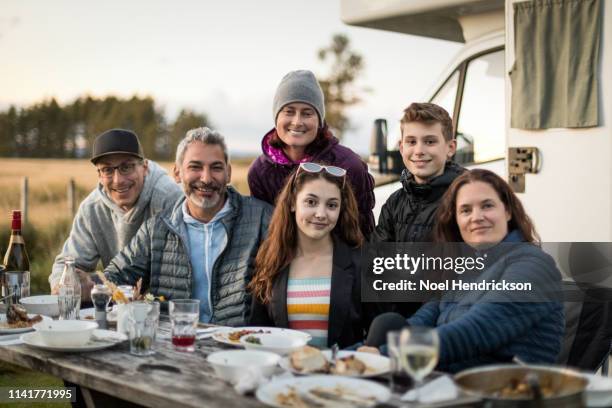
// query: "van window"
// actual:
[[481, 126], [446, 96]]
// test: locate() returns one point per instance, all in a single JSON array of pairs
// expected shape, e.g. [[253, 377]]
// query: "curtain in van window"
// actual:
[[555, 74]]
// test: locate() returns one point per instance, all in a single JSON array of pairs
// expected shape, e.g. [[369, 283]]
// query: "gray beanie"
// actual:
[[299, 86]]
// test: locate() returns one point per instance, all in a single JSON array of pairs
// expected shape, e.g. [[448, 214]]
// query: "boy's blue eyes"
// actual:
[[427, 142]]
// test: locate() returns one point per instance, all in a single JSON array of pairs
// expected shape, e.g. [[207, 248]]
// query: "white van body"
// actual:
[[570, 198]]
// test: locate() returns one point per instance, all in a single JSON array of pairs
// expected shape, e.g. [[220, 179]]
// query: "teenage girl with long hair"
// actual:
[[307, 270]]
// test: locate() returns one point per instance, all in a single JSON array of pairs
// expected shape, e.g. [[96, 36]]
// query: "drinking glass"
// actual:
[[419, 348], [184, 315], [142, 321], [399, 380]]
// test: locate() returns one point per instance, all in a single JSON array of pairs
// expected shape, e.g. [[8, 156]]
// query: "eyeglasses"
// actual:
[[310, 167], [125, 169]]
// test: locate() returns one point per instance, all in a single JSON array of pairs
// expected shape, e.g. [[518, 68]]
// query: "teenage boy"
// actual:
[[427, 147]]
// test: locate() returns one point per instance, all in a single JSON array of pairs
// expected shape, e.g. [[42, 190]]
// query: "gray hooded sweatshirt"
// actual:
[[101, 229]]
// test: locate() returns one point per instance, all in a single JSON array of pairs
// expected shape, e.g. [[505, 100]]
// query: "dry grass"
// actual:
[[48, 184]]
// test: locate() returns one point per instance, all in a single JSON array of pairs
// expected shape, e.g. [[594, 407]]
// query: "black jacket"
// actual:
[[347, 319], [409, 213], [409, 216]]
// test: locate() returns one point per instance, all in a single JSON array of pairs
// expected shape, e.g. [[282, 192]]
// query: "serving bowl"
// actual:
[[43, 304], [69, 333], [230, 365], [278, 343], [564, 387]]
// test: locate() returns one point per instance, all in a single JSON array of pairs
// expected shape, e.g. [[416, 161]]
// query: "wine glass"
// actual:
[[419, 348]]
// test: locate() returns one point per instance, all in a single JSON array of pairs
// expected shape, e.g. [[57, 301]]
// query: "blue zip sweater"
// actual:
[[478, 328]]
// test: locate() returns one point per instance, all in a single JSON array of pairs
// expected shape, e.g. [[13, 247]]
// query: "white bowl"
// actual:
[[278, 343], [70, 333], [231, 364], [44, 305]]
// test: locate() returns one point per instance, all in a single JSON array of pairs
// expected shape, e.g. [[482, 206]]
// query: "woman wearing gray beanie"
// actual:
[[301, 135]]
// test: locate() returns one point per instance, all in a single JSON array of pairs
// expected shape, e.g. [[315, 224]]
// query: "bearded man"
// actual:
[[204, 248]]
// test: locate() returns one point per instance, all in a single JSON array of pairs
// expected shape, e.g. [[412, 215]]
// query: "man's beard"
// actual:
[[205, 203]]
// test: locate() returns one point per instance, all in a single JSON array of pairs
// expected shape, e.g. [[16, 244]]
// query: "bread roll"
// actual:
[[309, 360]]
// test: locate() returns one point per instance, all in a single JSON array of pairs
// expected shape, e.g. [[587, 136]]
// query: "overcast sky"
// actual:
[[221, 57]]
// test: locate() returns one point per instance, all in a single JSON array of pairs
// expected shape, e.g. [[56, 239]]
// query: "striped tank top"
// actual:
[[308, 307]]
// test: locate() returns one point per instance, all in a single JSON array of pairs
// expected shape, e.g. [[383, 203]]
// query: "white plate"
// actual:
[[268, 392], [6, 330], [375, 364], [221, 336], [101, 339], [599, 391]]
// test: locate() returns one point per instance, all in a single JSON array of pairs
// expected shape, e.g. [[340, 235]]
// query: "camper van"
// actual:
[[545, 126]]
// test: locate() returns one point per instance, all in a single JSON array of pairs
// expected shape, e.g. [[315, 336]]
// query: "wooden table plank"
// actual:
[[167, 378]]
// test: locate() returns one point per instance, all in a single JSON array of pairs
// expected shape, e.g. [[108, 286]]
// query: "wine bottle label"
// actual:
[[17, 239]]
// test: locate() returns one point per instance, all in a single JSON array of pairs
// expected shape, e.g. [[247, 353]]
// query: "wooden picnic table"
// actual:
[[168, 378]]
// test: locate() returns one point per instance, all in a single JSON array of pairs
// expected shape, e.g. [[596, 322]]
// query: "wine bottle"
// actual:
[[16, 281]]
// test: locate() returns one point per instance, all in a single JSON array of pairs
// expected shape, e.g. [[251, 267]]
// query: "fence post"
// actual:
[[24, 200], [71, 197]]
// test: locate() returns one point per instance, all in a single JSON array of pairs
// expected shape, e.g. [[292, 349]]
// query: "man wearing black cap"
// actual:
[[131, 189]]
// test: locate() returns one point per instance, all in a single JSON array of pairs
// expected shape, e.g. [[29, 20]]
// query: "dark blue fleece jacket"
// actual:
[[482, 327]]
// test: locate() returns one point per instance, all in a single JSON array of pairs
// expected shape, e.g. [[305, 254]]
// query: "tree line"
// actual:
[[50, 130]]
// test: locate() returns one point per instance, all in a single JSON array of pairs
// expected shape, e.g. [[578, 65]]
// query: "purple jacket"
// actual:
[[269, 171]]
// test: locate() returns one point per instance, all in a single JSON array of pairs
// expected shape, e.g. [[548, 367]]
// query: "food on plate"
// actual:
[[17, 318], [340, 394], [337, 396], [253, 339], [309, 360], [291, 399], [349, 365], [236, 335]]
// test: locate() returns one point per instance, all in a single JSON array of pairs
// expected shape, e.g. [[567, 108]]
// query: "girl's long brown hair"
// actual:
[[446, 229], [280, 247]]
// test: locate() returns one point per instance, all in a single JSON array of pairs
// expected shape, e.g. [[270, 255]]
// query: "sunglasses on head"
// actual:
[[317, 168]]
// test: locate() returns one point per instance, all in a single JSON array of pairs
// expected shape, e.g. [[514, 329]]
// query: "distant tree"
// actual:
[[8, 130], [48, 129], [339, 86], [186, 120]]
